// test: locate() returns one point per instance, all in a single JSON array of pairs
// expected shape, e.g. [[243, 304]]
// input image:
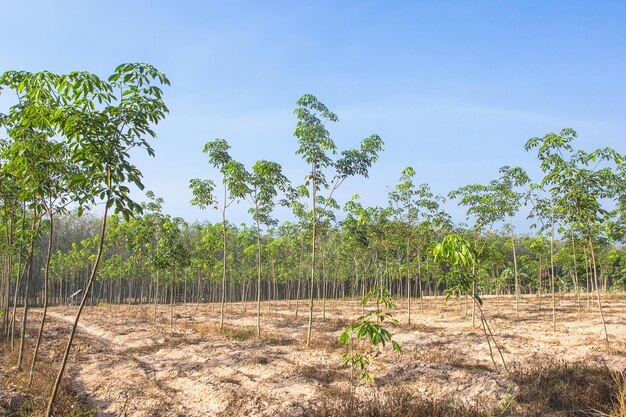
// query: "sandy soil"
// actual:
[[128, 365]]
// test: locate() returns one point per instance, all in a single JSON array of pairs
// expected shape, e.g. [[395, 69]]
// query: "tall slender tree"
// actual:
[[264, 182], [316, 147], [509, 200], [102, 122], [234, 188]]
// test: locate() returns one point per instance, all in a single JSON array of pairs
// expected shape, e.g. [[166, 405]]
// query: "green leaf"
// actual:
[[344, 338]]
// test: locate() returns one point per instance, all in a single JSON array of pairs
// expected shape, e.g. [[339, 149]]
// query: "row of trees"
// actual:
[[188, 258], [68, 143], [152, 256]]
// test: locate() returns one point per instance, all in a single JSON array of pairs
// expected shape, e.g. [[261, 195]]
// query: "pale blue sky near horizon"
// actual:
[[454, 88]]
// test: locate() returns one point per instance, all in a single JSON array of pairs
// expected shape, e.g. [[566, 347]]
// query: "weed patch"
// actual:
[[571, 389], [239, 333]]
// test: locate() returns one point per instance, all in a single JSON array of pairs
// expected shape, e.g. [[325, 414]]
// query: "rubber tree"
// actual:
[[546, 218], [363, 235], [264, 182], [552, 151], [234, 188], [44, 172], [9, 208], [12, 240], [103, 121], [415, 204], [403, 196], [460, 255], [583, 180], [153, 220], [509, 200], [171, 254], [300, 210], [32, 161], [39, 160], [582, 202], [484, 205], [316, 147]]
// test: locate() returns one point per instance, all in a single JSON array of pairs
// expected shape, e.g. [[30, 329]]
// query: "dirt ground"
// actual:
[[125, 364]]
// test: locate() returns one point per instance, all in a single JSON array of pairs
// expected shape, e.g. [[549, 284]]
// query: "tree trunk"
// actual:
[[258, 265], [595, 278], [576, 286], [323, 287], [156, 296], [516, 274], [552, 270], [46, 277], [92, 277], [408, 266], [223, 301], [29, 273], [313, 247], [301, 272], [172, 302]]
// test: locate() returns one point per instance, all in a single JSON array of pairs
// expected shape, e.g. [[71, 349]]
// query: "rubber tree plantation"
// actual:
[[102, 290]]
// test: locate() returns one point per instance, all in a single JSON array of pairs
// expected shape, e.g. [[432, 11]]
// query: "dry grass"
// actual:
[[420, 327], [231, 380], [238, 333], [279, 339], [571, 389], [324, 376], [549, 389], [619, 403], [258, 359], [333, 325], [22, 400], [444, 357], [324, 341], [396, 403]]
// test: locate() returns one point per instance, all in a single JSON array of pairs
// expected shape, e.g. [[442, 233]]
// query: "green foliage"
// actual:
[[369, 331], [459, 254], [264, 182], [170, 252], [417, 203], [578, 180], [234, 178], [202, 193], [313, 138], [316, 146]]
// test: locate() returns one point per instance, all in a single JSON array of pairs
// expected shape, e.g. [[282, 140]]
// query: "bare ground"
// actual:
[[125, 364]]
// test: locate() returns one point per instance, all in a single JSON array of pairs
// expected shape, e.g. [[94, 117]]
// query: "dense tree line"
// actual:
[[368, 247], [65, 150]]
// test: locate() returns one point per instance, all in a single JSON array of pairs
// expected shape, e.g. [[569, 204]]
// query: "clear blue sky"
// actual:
[[453, 88]]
